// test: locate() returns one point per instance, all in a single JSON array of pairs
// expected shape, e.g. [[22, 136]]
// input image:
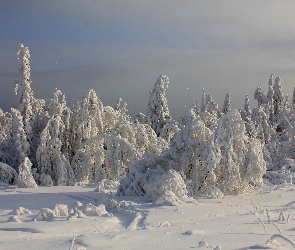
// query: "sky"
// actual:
[[119, 48]]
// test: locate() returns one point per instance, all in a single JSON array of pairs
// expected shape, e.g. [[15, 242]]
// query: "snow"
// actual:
[[50, 218]]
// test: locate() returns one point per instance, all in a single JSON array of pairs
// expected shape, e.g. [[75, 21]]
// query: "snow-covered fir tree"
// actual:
[[23, 89], [25, 177], [226, 106], [158, 111], [20, 137]]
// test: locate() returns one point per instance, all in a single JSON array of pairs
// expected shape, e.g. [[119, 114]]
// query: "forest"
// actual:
[[209, 151]]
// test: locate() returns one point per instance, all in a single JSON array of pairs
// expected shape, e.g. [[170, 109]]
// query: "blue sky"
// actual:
[[119, 48]]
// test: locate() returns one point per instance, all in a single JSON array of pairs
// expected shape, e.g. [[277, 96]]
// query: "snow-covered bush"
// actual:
[[20, 211], [91, 210], [14, 218], [165, 187], [60, 210], [45, 214], [7, 174]]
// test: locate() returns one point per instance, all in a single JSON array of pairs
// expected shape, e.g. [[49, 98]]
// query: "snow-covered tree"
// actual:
[[88, 120], [158, 111], [277, 97], [212, 106], [184, 155], [210, 163], [260, 96], [23, 89], [104, 157], [7, 144], [203, 103], [21, 143], [53, 167], [239, 165], [111, 155], [263, 130], [25, 177], [226, 106], [247, 110]]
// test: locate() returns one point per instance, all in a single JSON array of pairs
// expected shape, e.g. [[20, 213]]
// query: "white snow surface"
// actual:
[[77, 217]]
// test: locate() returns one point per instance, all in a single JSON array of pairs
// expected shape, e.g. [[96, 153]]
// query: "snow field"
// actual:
[[115, 222]]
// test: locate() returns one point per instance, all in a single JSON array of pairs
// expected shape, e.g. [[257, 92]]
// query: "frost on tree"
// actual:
[[87, 121], [103, 157], [20, 138], [263, 130], [183, 156], [158, 112], [226, 106], [168, 131], [7, 146], [53, 167], [241, 160], [277, 97], [208, 112], [110, 156], [166, 187], [23, 89], [260, 96], [25, 177], [214, 164]]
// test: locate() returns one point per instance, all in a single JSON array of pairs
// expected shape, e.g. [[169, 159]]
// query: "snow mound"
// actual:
[[61, 210], [45, 214], [106, 184], [7, 174], [74, 217], [91, 210], [20, 211], [14, 219]]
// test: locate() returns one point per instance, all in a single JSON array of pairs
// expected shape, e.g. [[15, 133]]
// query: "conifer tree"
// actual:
[[277, 97], [23, 89], [21, 143], [226, 106], [158, 111]]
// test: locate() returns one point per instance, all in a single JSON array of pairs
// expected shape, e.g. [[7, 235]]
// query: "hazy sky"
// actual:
[[119, 48]]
